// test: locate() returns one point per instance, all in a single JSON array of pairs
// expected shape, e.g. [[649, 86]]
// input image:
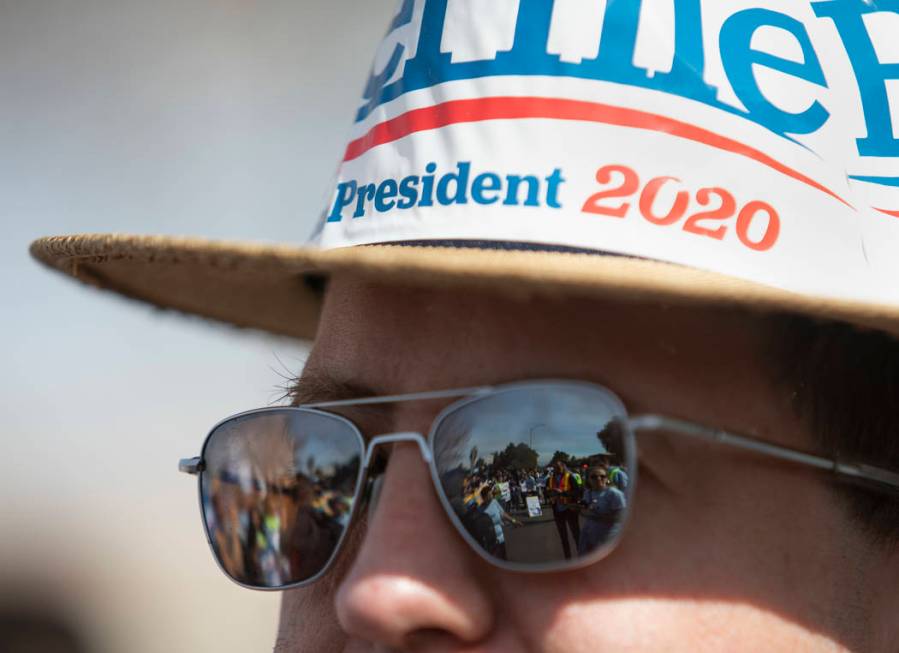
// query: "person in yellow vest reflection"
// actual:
[[563, 490]]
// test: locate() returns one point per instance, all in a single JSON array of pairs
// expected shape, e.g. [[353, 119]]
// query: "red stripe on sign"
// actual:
[[517, 108], [895, 214]]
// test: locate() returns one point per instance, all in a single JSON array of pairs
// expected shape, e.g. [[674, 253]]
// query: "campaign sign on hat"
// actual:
[[757, 139]]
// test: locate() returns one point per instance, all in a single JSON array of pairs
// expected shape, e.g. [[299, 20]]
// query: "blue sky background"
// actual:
[[546, 421], [221, 118]]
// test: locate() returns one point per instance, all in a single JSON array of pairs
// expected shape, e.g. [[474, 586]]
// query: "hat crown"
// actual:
[[754, 141]]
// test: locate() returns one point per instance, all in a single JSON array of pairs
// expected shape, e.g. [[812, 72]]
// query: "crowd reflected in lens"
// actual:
[[555, 490], [535, 475], [278, 493]]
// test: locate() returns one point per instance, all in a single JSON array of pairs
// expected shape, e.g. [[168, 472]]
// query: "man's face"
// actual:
[[725, 551], [599, 477]]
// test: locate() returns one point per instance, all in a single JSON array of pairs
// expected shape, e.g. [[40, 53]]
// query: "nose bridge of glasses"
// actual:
[[402, 436]]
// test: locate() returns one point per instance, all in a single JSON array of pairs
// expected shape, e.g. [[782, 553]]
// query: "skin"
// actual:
[[726, 551]]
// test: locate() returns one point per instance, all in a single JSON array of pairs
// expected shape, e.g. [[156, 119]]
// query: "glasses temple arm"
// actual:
[[192, 466], [855, 471]]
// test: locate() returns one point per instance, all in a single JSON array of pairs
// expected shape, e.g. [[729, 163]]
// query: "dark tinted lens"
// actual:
[[277, 493], [516, 466]]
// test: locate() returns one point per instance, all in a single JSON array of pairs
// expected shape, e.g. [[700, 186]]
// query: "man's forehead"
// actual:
[[385, 340], [450, 319]]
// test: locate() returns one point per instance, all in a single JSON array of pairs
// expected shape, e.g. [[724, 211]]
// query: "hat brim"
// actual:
[[267, 286]]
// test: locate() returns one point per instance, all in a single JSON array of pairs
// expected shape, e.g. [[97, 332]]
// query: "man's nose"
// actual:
[[414, 579]]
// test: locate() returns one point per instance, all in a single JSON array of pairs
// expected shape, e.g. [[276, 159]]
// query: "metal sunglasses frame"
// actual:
[[873, 477]]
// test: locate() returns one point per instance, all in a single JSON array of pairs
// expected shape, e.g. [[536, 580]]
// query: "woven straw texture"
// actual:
[[265, 287]]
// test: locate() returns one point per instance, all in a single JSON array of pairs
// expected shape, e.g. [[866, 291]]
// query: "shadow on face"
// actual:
[[721, 547]]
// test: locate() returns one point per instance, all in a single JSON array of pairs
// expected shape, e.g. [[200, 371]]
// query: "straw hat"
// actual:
[[568, 150]]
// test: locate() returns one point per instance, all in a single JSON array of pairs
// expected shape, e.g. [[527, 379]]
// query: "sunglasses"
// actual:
[[280, 487]]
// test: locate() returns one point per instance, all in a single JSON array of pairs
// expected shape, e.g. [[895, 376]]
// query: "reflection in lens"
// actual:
[[277, 493], [538, 473]]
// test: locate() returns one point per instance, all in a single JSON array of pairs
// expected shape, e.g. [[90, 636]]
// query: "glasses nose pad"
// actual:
[[372, 494]]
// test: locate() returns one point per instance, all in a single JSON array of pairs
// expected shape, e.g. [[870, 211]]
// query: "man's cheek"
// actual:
[[677, 624], [308, 621]]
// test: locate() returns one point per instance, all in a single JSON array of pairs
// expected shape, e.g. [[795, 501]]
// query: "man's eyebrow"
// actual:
[[315, 387]]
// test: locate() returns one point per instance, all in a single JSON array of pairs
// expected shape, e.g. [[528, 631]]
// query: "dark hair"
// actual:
[[845, 385]]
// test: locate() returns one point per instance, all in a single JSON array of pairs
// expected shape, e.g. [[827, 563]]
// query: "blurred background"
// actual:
[[220, 118]]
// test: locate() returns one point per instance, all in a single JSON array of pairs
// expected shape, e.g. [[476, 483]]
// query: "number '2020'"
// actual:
[[710, 222]]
